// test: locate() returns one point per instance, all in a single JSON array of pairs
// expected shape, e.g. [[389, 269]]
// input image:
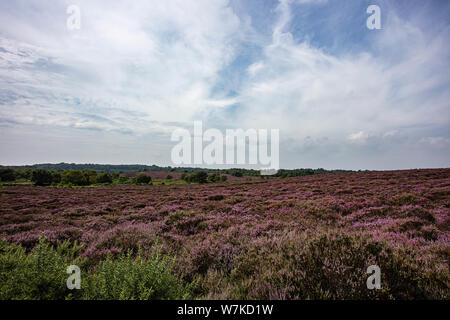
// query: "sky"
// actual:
[[113, 91]]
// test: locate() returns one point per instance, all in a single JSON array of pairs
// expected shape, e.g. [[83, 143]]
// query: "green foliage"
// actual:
[[38, 275], [198, 177], [41, 274], [142, 179], [238, 174], [104, 177], [223, 178], [214, 177], [123, 179], [169, 177], [75, 177], [41, 177], [56, 177], [7, 174], [128, 278]]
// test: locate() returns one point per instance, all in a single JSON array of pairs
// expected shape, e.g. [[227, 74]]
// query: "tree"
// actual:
[[56, 177], [41, 177], [199, 177], [123, 179], [91, 176], [238, 174], [142, 179], [169, 177], [104, 177], [75, 177], [213, 177], [7, 174]]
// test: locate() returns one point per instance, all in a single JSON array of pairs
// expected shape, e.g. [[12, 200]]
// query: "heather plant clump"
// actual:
[[331, 266]]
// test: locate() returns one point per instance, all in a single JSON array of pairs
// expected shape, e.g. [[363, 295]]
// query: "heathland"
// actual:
[[305, 237]]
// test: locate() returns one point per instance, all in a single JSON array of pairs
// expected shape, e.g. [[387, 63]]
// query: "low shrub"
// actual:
[[142, 179], [328, 266], [41, 274], [128, 278]]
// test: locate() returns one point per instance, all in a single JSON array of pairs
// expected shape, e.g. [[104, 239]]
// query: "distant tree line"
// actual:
[[42, 177], [91, 166], [62, 174], [284, 173], [203, 177]]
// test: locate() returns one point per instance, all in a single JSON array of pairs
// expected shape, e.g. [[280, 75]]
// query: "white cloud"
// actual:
[[359, 137], [436, 141], [151, 59], [307, 92], [142, 66]]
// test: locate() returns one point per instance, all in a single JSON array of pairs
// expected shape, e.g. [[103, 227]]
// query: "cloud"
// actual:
[[141, 69], [306, 91], [359, 137], [146, 59], [436, 141]]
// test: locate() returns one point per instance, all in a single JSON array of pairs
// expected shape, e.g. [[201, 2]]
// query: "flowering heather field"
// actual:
[[296, 238]]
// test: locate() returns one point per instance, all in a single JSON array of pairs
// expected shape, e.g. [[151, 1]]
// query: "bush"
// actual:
[[124, 179], [238, 174], [142, 179], [128, 278], [223, 178], [41, 274], [74, 177], [199, 177], [169, 177], [103, 177], [38, 275], [56, 177], [41, 177], [7, 174], [213, 177]]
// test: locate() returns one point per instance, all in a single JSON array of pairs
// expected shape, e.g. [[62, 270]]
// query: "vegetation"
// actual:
[[41, 274], [142, 179], [309, 237], [104, 177], [7, 174], [41, 177]]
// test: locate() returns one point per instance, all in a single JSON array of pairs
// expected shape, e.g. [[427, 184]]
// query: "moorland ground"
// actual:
[[307, 237]]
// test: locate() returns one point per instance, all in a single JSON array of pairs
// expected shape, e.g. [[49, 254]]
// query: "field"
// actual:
[[307, 237]]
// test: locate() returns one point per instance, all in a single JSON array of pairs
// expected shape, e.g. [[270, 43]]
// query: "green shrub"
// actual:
[[142, 179], [199, 177], [38, 275], [7, 174], [75, 177], [124, 179], [104, 177], [128, 278], [41, 274], [213, 177], [41, 177]]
